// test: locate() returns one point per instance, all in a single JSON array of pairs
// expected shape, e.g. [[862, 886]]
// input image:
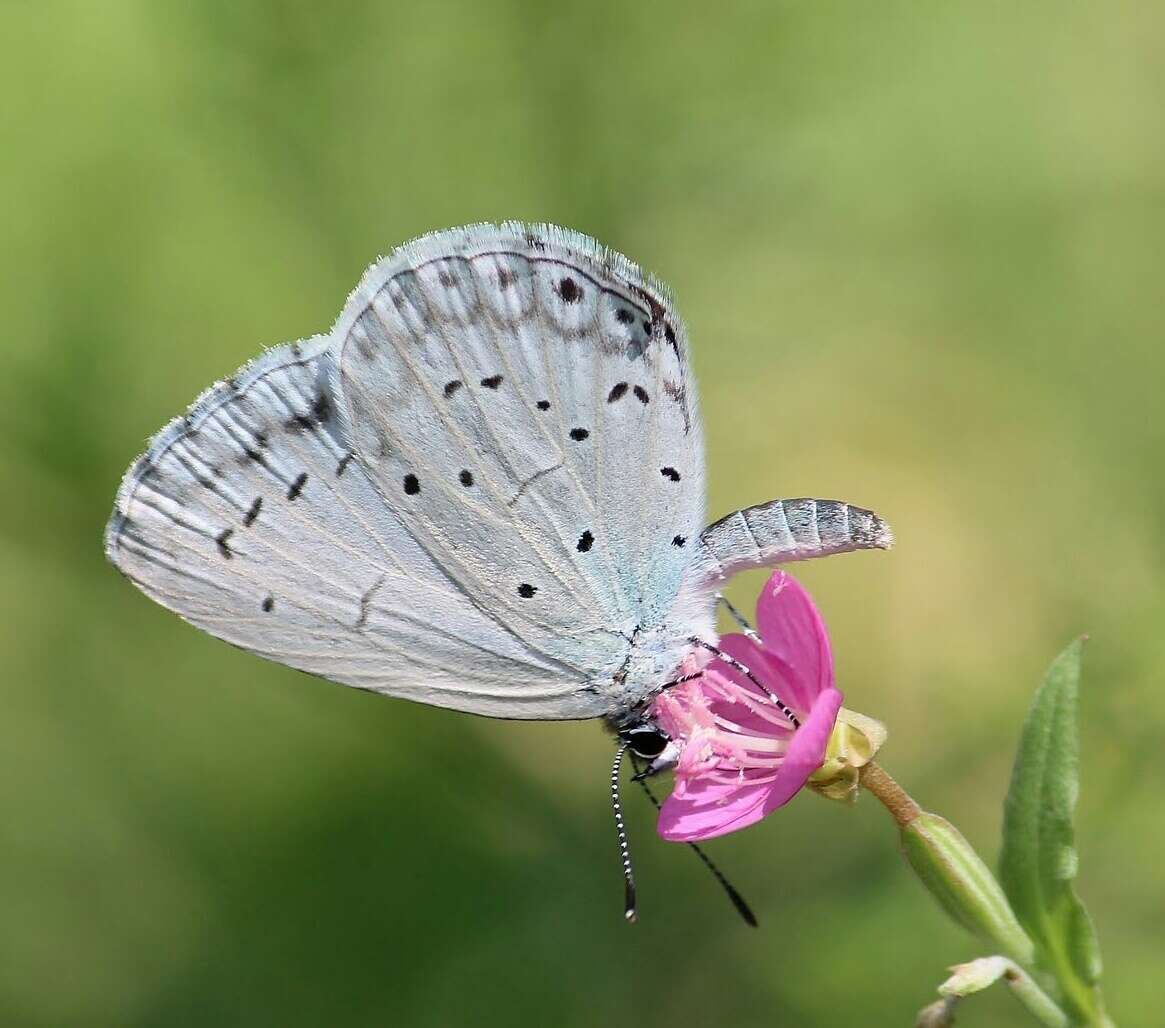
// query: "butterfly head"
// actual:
[[647, 741]]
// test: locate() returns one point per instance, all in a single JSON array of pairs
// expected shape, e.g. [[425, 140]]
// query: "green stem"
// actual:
[[1038, 1002]]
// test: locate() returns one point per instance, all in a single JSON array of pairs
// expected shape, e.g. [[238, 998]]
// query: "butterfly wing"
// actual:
[[329, 508], [251, 519], [522, 400]]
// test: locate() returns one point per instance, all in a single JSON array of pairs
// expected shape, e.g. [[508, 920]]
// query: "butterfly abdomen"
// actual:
[[785, 530]]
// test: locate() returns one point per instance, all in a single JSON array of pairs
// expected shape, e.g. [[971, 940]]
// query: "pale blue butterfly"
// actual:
[[483, 489]]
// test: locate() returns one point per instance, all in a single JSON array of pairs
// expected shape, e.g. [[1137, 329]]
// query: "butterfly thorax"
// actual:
[[657, 655]]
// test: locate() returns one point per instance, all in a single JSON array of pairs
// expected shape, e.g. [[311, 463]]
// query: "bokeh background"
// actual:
[[919, 250]]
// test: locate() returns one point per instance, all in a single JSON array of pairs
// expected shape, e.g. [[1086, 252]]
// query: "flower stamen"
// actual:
[[735, 664]]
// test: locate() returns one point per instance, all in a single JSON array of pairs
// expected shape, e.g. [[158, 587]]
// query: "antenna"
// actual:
[[732, 662], [742, 908], [624, 848]]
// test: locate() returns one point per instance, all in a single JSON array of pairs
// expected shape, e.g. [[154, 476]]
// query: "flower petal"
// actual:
[[795, 640], [705, 809], [806, 752]]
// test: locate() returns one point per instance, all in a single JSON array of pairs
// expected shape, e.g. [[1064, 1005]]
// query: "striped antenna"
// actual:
[[738, 901], [624, 848]]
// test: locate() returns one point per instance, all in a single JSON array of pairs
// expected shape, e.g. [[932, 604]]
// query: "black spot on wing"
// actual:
[[579, 434], [492, 382], [269, 604], [641, 395], [343, 463], [222, 539], [585, 541], [543, 405], [297, 486], [253, 453], [299, 423], [253, 511], [412, 485], [617, 391], [678, 540], [526, 590], [670, 473], [625, 316], [321, 408], [466, 478], [569, 290], [452, 387]]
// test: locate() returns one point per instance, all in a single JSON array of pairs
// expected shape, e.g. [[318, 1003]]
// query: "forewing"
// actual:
[[522, 400], [252, 518]]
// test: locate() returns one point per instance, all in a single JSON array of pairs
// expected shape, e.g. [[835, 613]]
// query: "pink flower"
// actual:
[[741, 757]]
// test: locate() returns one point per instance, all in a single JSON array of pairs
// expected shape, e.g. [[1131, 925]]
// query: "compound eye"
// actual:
[[647, 742]]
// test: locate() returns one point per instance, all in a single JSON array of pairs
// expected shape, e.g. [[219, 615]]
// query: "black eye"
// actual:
[[646, 742]]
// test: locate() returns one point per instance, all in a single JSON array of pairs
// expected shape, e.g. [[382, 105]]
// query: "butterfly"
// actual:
[[483, 489]]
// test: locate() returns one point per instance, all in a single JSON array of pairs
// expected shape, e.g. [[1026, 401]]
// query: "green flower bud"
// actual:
[[961, 882]]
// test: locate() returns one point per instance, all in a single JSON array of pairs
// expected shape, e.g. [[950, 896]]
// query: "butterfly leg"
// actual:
[[736, 665], [739, 618]]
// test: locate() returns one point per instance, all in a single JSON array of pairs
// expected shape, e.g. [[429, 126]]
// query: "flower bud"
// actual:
[[977, 975], [961, 882], [854, 742]]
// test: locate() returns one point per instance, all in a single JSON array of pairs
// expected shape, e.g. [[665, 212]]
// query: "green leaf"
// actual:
[[1038, 862]]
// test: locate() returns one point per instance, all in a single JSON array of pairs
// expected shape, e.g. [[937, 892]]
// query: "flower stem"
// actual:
[[1039, 1003], [889, 793]]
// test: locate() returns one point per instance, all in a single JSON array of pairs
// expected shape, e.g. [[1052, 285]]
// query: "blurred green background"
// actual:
[[919, 250]]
